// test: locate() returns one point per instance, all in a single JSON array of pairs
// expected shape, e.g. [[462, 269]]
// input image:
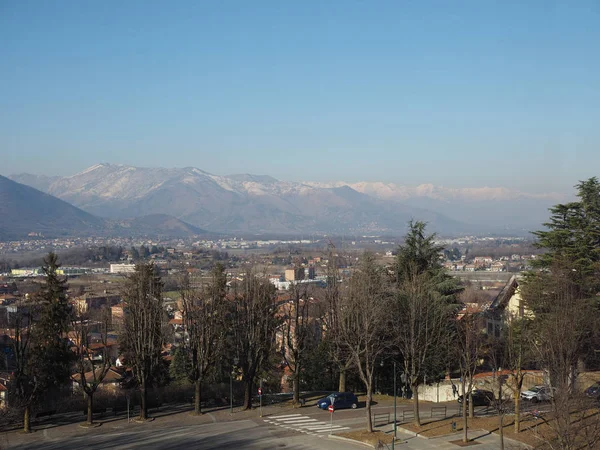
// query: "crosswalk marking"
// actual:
[[300, 421], [304, 424], [339, 429]]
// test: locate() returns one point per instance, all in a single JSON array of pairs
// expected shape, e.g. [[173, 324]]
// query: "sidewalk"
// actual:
[[484, 439]]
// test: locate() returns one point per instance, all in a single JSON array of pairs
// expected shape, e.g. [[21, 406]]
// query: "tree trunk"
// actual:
[[296, 388], [517, 400], [90, 408], [27, 419], [501, 429], [342, 382], [471, 406], [369, 418], [415, 389], [143, 401], [464, 415], [248, 394], [197, 397]]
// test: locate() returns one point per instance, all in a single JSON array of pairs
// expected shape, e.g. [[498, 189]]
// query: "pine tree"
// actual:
[[41, 347], [572, 236], [180, 368], [425, 302]]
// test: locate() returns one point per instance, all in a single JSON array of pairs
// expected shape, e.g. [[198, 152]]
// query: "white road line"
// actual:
[[314, 424], [339, 429], [291, 422], [289, 415], [317, 427]]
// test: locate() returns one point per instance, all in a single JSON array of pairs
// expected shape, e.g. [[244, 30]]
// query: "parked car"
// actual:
[[593, 391], [537, 394], [480, 397], [340, 400]]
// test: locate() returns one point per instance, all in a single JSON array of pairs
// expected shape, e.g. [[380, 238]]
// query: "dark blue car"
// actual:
[[340, 400], [594, 390]]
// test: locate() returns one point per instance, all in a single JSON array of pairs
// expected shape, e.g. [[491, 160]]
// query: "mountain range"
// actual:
[[262, 204]]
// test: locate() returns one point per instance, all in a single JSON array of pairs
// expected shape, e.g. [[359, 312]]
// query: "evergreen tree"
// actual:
[[426, 300], [573, 236], [180, 367], [41, 347]]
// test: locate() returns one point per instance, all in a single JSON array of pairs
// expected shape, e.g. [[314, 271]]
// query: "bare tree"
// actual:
[[470, 339], [331, 297], [26, 386], [363, 313], [565, 320], [498, 356], [90, 367], [204, 320], [518, 355], [300, 327], [142, 337], [253, 326]]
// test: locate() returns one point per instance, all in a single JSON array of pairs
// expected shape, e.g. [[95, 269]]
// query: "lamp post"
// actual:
[[235, 362], [395, 394]]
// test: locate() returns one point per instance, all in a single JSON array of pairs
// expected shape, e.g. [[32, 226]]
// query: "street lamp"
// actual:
[[395, 404], [235, 362], [395, 395]]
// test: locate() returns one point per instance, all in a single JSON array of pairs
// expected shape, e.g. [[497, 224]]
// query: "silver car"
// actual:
[[537, 394]]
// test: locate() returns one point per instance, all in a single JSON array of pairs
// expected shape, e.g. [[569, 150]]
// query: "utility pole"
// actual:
[[395, 394]]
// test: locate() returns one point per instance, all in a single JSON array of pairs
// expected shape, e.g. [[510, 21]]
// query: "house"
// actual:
[[498, 267], [112, 381], [507, 306]]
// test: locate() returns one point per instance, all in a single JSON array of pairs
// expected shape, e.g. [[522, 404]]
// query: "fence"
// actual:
[[438, 411], [381, 419], [406, 415]]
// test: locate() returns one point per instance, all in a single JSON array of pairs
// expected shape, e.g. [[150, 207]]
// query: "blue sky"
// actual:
[[452, 93]]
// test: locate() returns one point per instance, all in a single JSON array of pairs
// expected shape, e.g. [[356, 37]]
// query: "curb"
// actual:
[[410, 432], [340, 438]]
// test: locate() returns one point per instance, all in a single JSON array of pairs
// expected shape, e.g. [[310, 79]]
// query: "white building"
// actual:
[[122, 268]]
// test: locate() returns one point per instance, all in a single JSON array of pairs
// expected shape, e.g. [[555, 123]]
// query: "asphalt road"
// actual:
[[174, 428], [244, 434]]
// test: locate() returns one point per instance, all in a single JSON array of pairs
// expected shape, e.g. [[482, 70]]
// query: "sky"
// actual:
[[454, 93]]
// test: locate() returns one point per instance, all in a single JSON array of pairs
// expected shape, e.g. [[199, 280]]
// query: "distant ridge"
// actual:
[[26, 212]]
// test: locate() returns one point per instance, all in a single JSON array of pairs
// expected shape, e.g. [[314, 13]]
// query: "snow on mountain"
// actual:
[[392, 191]]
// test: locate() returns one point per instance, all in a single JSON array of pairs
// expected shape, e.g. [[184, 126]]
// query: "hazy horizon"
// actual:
[[454, 95]]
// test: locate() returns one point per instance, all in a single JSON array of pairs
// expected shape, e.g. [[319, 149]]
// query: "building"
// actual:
[[72, 271], [92, 301], [28, 272], [309, 273], [295, 274], [117, 314], [507, 306], [122, 268]]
